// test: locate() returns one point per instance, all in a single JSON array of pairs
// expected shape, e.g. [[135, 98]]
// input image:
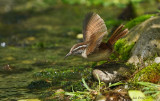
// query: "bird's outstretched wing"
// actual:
[[94, 29]]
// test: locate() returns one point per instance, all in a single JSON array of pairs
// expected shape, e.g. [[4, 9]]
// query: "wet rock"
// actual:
[[146, 37], [111, 72]]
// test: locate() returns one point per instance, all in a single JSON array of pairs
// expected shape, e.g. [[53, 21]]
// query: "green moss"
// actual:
[[138, 20], [125, 51], [149, 74], [122, 49], [41, 84], [67, 78], [119, 44]]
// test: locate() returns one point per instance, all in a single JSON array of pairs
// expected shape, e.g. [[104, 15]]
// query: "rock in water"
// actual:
[[111, 72], [147, 40]]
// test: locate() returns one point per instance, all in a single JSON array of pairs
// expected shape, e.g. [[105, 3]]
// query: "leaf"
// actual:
[[116, 84], [148, 84], [137, 95], [85, 85]]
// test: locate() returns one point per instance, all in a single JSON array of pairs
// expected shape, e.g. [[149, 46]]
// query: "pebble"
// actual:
[[157, 60]]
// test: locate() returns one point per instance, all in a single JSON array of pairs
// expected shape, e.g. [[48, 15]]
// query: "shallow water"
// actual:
[[35, 40]]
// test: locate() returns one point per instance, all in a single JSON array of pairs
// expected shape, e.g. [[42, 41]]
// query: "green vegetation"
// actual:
[[90, 94], [123, 49], [138, 20], [66, 78], [152, 70], [150, 88], [86, 95], [149, 92], [119, 3]]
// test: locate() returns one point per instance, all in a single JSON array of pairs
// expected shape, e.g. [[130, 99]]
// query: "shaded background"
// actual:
[[35, 35]]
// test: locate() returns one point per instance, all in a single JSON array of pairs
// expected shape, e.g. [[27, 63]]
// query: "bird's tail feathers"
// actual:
[[118, 33]]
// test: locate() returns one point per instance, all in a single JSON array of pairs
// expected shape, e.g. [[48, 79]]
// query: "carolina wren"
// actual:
[[92, 48]]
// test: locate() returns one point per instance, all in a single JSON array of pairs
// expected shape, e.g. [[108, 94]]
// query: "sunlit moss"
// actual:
[[123, 49], [121, 46], [149, 74], [138, 20]]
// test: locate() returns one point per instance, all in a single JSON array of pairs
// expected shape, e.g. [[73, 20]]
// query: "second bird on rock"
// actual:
[[92, 48]]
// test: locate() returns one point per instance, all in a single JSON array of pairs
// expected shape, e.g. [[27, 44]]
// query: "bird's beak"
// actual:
[[68, 55]]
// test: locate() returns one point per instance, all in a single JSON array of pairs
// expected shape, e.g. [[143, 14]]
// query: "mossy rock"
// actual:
[[148, 74], [146, 37], [124, 46]]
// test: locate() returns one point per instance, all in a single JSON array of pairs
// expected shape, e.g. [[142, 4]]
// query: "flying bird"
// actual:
[[92, 48]]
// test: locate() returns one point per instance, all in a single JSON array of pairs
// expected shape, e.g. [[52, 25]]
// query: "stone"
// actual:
[[157, 60], [111, 72], [146, 37]]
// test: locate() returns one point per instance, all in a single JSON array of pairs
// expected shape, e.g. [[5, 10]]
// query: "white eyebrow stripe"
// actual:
[[80, 47]]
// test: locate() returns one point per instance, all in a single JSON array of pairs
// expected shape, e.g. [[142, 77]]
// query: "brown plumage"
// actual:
[[93, 24], [92, 47], [118, 33], [94, 29]]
